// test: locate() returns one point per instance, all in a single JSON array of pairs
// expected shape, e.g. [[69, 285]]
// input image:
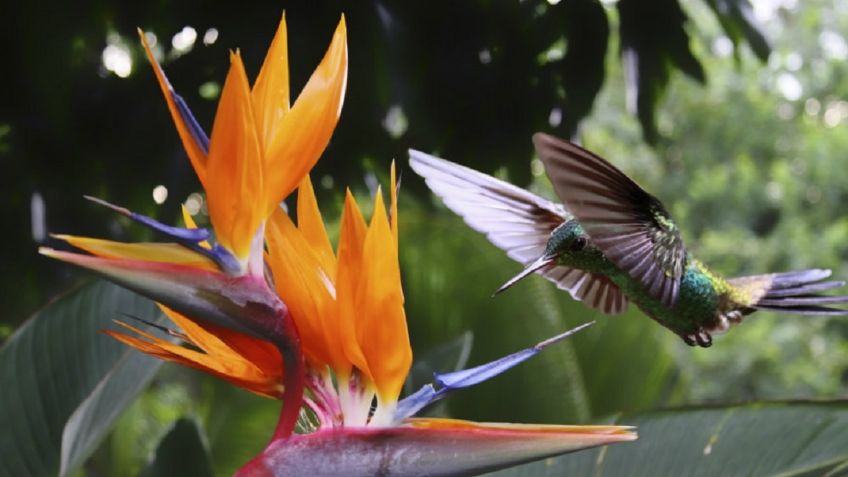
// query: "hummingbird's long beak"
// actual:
[[540, 263]]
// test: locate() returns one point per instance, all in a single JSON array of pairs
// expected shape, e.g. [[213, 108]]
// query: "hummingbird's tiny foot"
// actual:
[[688, 339], [704, 339]]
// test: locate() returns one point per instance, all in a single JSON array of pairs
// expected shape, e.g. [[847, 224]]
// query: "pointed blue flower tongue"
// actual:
[[194, 128], [448, 382], [189, 238], [198, 134]]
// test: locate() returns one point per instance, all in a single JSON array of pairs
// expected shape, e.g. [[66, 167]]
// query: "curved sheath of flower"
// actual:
[[247, 362], [243, 304], [432, 447]]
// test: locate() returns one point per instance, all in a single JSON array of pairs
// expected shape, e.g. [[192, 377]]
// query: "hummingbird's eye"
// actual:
[[578, 244]]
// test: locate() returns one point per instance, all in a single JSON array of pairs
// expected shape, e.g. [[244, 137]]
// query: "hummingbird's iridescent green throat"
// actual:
[[612, 242]]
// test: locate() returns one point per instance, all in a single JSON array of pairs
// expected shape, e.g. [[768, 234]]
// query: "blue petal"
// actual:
[[225, 260], [449, 382], [196, 131], [476, 375], [189, 238], [470, 377], [410, 405]]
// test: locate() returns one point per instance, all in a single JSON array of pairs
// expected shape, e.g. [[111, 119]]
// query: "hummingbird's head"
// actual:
[[567, 239]]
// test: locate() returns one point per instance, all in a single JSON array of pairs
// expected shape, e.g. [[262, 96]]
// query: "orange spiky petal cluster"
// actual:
[[350, 314], [260, 147], [247, 362]]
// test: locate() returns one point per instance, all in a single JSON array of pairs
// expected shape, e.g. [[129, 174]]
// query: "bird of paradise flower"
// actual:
[[324, 331]]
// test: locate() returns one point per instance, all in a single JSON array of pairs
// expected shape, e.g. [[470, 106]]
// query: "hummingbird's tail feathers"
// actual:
[[540, 263], [793, 292], [515, 220]]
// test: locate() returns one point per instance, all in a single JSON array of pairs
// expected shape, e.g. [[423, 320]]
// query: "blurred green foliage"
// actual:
[[751, 165]]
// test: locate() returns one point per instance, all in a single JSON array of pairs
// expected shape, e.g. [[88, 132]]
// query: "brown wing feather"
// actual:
[[517, 221], [595, 291], [630, 226]]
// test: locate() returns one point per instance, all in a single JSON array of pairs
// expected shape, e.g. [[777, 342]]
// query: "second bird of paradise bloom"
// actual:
[[326, 330]]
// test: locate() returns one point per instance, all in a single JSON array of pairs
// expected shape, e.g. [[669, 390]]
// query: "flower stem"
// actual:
[[294, 375]]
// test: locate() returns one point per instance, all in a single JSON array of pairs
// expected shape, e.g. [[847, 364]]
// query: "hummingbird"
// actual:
[[611, 243]]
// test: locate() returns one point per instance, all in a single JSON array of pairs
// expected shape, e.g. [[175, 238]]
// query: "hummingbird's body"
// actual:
[[706, 301], [613, 243]]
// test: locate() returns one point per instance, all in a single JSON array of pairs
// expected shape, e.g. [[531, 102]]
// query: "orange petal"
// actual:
[[238, 371], [261, 353], [348, 275], [154, 252], [304, 287], [194, 150], [229, 345], [381, 320], [311, 225], [305, 130], [271, 91], [234, 171]]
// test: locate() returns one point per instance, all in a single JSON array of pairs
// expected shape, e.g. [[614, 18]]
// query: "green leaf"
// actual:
[[239, 425], [587, 33], [65, 382], [763, 439], [181, 452], [649, 53], [737, 21]]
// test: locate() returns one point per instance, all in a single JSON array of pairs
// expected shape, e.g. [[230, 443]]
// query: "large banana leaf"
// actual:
[[762, 439], [64, 383]]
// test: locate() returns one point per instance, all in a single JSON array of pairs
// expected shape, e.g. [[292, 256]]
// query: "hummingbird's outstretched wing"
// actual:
[[630, 226], [512, 218], [516, 221]]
